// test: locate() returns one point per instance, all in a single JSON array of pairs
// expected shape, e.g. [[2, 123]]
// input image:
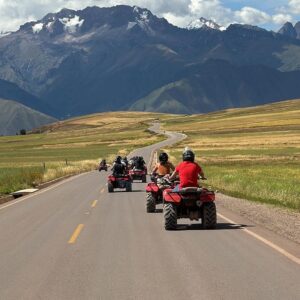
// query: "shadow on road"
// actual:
[[123, 191], [220, 226]]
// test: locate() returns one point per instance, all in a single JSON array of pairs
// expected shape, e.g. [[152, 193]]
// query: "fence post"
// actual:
[[44, 166], [66, 161]]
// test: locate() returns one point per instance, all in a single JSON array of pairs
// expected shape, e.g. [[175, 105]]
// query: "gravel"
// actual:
[[282, 221]]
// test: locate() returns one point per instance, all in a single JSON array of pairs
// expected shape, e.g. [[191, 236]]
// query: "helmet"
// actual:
[[188, 155], [163, 157], [118, 159]]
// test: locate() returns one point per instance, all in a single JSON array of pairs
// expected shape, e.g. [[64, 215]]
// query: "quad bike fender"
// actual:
[[171, 197], [111, 178], [152, 188], [207, 196]]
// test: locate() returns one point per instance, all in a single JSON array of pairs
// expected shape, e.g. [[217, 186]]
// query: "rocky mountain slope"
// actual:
[[101, 59], [15, 116]]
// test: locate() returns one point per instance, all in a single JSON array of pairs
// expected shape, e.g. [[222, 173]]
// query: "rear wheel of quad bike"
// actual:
[[209, 218], [170, 216], [110, 187], [150, 203], [128, 187]]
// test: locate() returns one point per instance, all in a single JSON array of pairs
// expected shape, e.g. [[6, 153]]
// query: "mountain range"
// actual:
[[123, 57], [15, 116]]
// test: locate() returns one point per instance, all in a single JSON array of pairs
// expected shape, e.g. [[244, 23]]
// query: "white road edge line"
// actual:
[[265, 241], [41, 191]]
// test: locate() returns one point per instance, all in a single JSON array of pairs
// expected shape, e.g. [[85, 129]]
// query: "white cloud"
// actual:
[[294, 6], [250, 15], [280, 19], [14, 13]]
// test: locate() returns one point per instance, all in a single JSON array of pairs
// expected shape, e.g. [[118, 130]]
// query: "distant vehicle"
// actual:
[[137, 168], [102, 166], [119, 182]]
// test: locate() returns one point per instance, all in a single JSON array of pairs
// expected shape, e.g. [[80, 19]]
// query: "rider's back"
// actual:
[[188, 173], [163, 168]]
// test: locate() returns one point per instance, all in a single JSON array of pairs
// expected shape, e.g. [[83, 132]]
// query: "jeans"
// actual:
[[176, 188]]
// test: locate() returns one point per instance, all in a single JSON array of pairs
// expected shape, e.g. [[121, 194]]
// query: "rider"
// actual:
[[188, 171], [118, 168], [125, 161], [103, 162], [164, 167]]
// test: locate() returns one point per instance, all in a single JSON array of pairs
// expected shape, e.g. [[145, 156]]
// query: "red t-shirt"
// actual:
[[188, 173]]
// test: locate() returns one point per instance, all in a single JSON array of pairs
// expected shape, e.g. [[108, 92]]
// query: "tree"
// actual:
[[23, 132]]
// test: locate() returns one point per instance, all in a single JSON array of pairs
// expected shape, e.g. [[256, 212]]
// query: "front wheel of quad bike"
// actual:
[[170, 216], [150, 203], [144, 179], [209, 217], [129, 187], [110, 187]]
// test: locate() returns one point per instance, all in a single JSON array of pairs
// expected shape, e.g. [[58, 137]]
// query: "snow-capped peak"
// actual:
[[202, 22], [141, 14], [142, 19], [70, 23], [36, 28]]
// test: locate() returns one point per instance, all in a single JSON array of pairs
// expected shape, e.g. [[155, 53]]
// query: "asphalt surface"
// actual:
[[120, 252]]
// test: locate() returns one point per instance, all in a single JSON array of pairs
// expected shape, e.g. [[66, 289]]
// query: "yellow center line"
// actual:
[[266, 242], [76, 233], [94, 203]]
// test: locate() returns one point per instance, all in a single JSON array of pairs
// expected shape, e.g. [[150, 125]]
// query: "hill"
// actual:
[[107, 59], [12, 91], [252, 153], [210, 89], [15, 116]]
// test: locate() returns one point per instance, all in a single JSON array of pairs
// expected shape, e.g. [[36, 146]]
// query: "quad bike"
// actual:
[[119, 182], [154, 192], [193, 203], [139, 174], [102, 167]]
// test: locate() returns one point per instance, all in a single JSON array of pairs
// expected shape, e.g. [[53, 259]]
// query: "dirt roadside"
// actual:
[[279, 220]]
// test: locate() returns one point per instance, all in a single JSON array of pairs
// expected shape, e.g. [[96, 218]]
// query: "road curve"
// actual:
[[76, 241]]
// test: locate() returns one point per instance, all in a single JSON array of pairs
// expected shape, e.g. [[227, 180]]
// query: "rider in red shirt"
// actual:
[[188, 171]]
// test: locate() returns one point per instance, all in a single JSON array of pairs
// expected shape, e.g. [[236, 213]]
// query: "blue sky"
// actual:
[[270, 14]]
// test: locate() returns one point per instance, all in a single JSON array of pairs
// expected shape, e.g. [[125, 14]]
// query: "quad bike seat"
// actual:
[[119, 175], [190, 190]]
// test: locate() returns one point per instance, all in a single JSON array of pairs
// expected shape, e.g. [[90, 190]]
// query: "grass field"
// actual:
[[252, 153], [71, 147]]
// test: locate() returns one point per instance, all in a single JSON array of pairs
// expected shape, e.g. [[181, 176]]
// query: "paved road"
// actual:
[[120, 252]]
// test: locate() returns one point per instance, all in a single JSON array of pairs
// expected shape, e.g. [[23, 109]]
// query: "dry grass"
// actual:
[[252, 153], [81, 141]]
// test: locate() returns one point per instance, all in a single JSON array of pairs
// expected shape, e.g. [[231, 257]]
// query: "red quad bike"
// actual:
[[190, 202], [154, 192], [119, 182], [138, 174], [102, 167]]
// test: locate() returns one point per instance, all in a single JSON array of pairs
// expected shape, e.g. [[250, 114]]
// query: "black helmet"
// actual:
[[163, 157], [118, 159], [188, 155]]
